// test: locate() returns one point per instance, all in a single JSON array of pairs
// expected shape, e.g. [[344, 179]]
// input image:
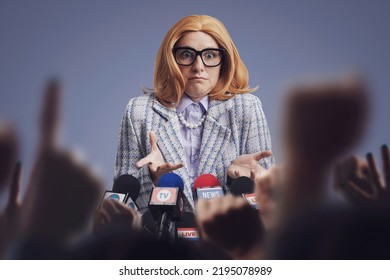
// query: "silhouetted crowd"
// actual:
[[62, 215]]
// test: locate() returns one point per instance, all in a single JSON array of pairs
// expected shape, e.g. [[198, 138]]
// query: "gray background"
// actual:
[[104, 52]]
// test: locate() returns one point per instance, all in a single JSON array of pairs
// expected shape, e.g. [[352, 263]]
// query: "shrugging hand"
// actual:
[[361, 182], [247, 165], [231, 224], [155, 161]]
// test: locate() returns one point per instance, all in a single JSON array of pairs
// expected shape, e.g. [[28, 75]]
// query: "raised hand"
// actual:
[[268, 189], [323, 121], [62, 192], [155, 161], [247, 165], [8, 152], [361, 182], [50, 117], [112, 215], [382, 187], [231, 224], [9, 219]]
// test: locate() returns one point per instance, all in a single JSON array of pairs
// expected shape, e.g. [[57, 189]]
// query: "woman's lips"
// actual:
[[197, 78]]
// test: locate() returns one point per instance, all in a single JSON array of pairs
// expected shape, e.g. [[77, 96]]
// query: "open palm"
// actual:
[[155, 161]]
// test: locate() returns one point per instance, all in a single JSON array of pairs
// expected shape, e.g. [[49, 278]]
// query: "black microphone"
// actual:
[[149, 224], [128, 184], [244, 186]]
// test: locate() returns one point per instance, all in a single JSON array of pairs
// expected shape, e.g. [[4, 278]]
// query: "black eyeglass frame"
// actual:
[[222, 50]]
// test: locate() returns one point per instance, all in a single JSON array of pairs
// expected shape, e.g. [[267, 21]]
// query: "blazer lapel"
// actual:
[[169, 143], [216, 135]]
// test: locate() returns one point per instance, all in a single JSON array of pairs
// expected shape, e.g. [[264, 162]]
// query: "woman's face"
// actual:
[[199, 79]]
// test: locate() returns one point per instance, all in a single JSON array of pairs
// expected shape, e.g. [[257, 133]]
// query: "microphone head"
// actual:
[[171, 180], [127, 184], [207, 186], [242, 185], [206, 181]]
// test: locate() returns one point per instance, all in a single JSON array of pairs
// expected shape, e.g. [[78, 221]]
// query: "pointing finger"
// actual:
[[50, 114], [153, 140], [176, 166], [375, 176], [386, 164]]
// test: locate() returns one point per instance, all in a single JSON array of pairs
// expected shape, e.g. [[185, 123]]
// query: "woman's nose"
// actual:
[[198, 64]]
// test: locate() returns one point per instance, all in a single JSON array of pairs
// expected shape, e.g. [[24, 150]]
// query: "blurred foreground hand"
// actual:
[[10, 218], [62, 192], [9, 147], [231, 224], [360, 180], [269, 187], [114, 215], [322, 121]]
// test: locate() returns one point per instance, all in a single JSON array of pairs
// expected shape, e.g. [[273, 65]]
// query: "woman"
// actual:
[[199, 118]]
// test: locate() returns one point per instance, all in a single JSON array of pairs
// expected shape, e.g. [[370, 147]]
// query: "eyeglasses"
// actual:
[[186, 56]]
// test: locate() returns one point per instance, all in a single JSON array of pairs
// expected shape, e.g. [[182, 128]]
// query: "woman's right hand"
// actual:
[[155, 161]]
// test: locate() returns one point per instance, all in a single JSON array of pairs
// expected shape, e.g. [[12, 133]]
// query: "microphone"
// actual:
[[244, 186], [207, 186], [121, 197], [186, 229], [166, 203], [149, 225], [128, 184]]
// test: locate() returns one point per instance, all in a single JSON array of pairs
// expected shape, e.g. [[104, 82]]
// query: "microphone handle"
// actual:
[[163, 226]]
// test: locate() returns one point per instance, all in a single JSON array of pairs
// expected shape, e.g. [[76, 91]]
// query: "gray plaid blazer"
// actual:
[[232, 128]]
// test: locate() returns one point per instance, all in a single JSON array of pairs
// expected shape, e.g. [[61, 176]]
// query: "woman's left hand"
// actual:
[[247, 165]]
